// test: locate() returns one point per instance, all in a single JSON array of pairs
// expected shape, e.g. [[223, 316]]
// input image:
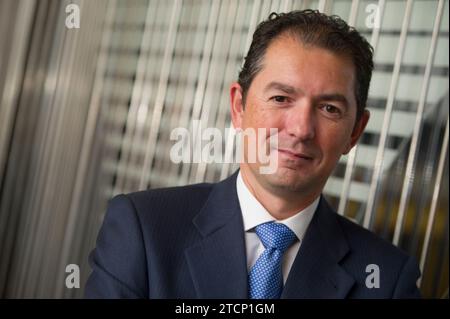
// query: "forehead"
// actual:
[[307, 67]]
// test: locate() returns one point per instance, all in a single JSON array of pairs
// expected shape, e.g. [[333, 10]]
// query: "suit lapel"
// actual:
[[218, 262], [316, 272]]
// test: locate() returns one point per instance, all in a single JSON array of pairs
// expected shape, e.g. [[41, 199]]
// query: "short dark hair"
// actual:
[[317, 29]]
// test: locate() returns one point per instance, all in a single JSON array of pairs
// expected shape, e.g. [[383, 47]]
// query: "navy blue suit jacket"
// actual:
[[188, 242]]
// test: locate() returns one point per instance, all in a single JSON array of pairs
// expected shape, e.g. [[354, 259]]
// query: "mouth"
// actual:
[[295, 155]]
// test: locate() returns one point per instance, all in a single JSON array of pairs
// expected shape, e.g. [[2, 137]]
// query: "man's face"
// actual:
[[307, 93]]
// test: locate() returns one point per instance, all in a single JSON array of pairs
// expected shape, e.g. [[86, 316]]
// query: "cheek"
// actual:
[[257, 116], [333, 140]]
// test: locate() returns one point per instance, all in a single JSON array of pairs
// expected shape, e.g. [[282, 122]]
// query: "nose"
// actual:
[[301, 121]]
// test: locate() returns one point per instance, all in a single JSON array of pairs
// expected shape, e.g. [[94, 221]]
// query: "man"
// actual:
[[258, 235]]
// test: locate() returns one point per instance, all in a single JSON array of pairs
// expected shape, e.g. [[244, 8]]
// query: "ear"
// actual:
[[237, 105], [358, 130]]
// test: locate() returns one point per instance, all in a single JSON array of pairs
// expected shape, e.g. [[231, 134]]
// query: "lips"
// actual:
[[294, 154]]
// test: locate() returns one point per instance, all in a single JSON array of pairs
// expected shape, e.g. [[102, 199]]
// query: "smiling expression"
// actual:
[[308, 94]]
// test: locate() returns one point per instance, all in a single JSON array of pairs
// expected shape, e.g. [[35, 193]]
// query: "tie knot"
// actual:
[[275, 235]]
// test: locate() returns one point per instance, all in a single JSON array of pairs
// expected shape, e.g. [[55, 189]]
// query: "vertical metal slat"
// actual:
[[437, 188], [387, 119], [407, 182]]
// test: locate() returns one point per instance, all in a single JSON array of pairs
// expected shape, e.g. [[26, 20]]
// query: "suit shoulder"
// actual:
[[363, 240], [398, 270], [172, 192], [170, 200]]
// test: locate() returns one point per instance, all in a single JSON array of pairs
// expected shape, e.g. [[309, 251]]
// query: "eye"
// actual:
[[279, 99], [331, 109]]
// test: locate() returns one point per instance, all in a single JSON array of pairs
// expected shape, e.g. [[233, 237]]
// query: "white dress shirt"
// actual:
[[254, 214]]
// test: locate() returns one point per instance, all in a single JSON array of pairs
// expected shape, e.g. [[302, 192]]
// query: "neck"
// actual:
[[280, 204]]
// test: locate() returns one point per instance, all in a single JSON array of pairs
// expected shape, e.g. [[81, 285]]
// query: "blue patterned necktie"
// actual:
[[265, 278]]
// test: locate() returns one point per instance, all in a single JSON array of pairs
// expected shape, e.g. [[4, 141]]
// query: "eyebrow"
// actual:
[[292, 90], [282, 87]]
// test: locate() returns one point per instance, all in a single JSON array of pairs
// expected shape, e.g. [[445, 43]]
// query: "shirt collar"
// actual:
[[254, 214]]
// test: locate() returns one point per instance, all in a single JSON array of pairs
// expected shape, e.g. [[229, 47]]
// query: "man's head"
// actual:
[[306, 75], [316, 29]]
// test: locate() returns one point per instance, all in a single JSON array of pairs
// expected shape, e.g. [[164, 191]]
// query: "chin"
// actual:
[[285, 179]]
